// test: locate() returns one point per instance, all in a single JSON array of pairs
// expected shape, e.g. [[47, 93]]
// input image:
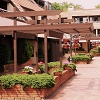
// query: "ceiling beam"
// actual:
[[47, 27], [55, 34], [30, 13]]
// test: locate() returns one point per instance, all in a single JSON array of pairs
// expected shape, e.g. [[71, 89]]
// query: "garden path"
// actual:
[[85, 85]]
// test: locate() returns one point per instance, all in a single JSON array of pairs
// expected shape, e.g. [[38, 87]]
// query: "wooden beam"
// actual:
[[31, 32], [51, 21], [30, 13], [66, 20], [46, 27], [25, 35], [55, 34]]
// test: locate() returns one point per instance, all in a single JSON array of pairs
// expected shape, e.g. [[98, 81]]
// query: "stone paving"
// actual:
[[85, 85]]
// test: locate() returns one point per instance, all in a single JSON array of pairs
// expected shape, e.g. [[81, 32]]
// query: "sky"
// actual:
[[88, 4]]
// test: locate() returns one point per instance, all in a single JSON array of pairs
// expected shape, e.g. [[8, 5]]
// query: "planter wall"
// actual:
[[10, 67], [17, 91], [81, 62], [97, 54]]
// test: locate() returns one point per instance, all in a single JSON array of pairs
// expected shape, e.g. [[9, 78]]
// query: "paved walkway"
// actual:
[[85, 85]]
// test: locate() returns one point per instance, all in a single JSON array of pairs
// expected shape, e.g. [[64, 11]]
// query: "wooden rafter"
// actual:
[[30, 13], [46, 27]]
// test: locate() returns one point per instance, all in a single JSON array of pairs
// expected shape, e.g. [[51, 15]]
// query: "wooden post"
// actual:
[[15, 51], [86, 46], [60, 46], [70, 47], [45, 51], [36, 54], [15, 45], [59, 19]]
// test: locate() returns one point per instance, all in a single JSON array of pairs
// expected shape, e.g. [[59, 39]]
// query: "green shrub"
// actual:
[[72, 66], [77, 58], [5, 54], [56, 70], [82, 54], [98, 48], [34, 81], [93, 51], [54, 64], [25, 50]]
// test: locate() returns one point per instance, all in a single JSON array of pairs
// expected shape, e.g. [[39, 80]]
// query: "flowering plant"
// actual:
[[28, 69], [41, 66], [65, 46], [65, 64], [75, 45]]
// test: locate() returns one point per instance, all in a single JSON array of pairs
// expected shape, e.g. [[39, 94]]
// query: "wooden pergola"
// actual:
[[48, 27]]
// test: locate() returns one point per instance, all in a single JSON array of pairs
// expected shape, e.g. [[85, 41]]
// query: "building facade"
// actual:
[[86, 16]]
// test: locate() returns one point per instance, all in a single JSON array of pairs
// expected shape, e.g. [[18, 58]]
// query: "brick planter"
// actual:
[[17, 92], [97, 54], [81, 62]]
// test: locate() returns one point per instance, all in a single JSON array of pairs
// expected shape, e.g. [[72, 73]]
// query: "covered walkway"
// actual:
[[85, 85]]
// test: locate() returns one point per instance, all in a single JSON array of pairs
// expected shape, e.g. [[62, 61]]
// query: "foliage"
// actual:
[[56, 6], [5, 54], [25, 50], [41, 66], [98, 6], [34, 81], [77, 6], [65, 64], [64, 6], [72, 66], [77, 58], [98, 48], [93, 51], [54, 64], [56, 70]]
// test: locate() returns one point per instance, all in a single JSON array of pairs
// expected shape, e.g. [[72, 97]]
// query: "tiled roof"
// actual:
[[30, 4]]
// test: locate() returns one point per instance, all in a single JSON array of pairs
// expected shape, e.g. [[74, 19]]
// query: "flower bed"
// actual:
[[17, 91]]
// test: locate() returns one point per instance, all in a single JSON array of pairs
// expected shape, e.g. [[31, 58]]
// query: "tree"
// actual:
[[98, 6], [25, 50], [64, 6], [56, 6], [77, 6]]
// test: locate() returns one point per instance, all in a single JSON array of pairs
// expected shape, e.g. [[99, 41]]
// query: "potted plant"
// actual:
[[27, 70], [65, 66]]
